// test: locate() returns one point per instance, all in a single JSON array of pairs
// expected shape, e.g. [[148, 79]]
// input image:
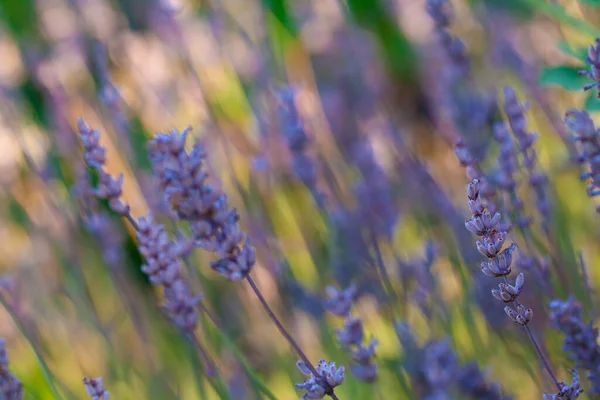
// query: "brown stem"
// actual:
[[132, 221], [289, 338], [210, 365], [542, 357], [538, 349]]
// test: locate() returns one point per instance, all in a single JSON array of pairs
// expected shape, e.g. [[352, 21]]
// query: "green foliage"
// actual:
[[564, 76], [396, 50]]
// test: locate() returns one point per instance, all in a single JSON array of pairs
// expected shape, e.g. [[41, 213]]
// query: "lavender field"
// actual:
[[299, 199]]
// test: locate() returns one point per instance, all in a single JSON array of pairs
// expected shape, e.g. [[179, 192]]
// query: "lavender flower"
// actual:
[[485, 225], [537, 178], [593, 58], [350, 337], [95, 389], [375, 203], [339, 301], [505, 179], [292, 128], [472, 383], [469, 110], [581, 339], [567, 392], [214, 226], [438, 367], [453, 48], [586, 134], [436, 370], [164, 269], [109, 188], [329, 377], [10, 387]]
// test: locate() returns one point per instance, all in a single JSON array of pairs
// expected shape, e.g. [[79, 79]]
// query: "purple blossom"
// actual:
[[315, 387], [339, 301], [10, 387], [95, 388], [593, 58], [567, 392], [214, 225], [580, 338], [586, 134], [163, 266]]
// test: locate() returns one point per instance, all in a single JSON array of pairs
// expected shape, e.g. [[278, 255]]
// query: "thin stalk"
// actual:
[[538, 349], [542, 357], [588, 288], [190, 335], [132, 221], [288, 337], [210, 365], [385, 277]]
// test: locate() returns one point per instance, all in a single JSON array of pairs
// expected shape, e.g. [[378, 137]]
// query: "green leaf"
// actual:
[[592, 102], [564, 76]]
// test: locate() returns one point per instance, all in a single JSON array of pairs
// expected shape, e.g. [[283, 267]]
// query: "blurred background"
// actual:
[[375, 183]]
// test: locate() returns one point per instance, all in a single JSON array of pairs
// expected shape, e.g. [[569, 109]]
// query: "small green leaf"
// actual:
[[592, 102], [564, 76]]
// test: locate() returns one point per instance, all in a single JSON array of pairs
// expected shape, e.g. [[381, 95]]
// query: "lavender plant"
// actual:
[[370, 145], [580, 338], [10, 387], [350, 337], [215, 228], [498, 265]]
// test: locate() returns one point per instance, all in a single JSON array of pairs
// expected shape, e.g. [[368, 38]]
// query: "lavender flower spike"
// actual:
[[109, 188], [339, 302], [95, 389], [485, 225], [567, 392], [10, 387], [593, 58], [581, 338], [537, 178], [164, 269], [213, 224], [587, 135], [315, 387]]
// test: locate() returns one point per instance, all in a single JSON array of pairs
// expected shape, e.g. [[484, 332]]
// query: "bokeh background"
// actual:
[[372, 94]]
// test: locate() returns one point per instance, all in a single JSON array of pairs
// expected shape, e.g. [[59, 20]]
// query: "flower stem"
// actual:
[[542, 357], [289, 337], [538, 350]]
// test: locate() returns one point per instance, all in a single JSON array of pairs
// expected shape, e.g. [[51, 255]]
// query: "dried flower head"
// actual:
[[109, 187], [95, 388], [213, 224], [507, 292], [163, 266], [521, 315], [567, 392], [315, 387]]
